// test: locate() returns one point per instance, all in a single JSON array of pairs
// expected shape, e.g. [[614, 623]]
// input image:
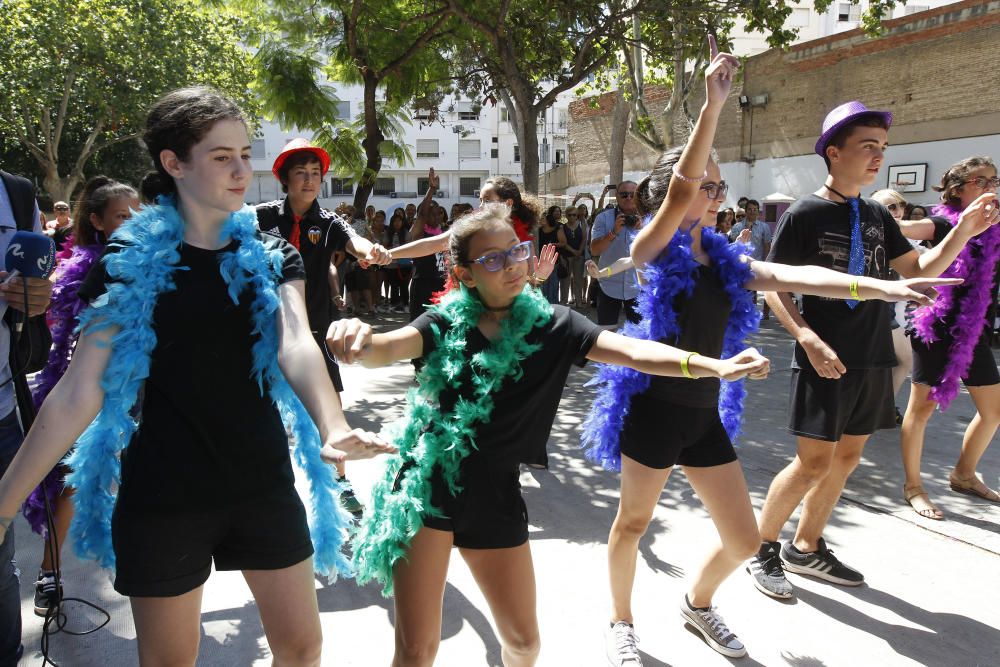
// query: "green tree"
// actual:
[[391, 48], [80, 74]]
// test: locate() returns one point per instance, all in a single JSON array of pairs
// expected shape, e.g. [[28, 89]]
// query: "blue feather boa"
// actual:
[[673, 274], [140, 272]]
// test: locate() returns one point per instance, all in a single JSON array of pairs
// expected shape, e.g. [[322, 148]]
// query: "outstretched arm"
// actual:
[[981, 214], [301, 362], [616, 267], [67, 411], [816, 280], [655, 236], [353, 340], [659, 359], [422, 247]]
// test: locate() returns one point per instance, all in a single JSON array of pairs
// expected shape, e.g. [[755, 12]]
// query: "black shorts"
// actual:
[[929, 362], [609, 308], [489, 512], [165, 554], [859, 403], [659, 434]]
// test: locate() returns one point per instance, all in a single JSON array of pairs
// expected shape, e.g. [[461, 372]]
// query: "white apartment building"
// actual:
[[467, 144]]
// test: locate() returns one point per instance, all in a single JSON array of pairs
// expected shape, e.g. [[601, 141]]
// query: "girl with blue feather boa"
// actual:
[[695, 296], [194, 363]]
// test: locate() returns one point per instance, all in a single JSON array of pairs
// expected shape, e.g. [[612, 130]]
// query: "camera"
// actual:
[[631, 220]]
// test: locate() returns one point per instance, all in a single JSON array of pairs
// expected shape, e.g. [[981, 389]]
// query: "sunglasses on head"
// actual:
[[62, 208], [494, 261]]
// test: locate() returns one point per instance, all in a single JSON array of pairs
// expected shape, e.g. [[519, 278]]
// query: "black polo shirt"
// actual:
[[321, 233]]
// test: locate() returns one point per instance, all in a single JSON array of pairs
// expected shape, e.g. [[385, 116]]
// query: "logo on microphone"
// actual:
[[16, 250]]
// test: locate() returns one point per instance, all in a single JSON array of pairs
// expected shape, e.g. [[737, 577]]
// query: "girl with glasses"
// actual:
[[951, 339], [697, 295], [496, 357]]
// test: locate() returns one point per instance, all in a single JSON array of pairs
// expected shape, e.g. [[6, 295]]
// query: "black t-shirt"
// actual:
[[206, 433], [430, 270], [321, 233], [702, 318], [817, 231], [523, 410]]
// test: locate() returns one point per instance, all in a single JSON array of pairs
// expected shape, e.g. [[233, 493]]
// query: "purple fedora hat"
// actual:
[[841, 116]]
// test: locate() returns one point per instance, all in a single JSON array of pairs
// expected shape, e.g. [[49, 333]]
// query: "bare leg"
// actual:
[[723, 492], [919, 411], [289, 613], [823, 497], [981, 430], [62, 516], [168, 630], [507, 579], [419, 581], [641, 487], [904, 359], [811, 464]]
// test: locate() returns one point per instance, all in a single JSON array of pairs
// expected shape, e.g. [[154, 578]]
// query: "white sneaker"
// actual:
[[622, 646], [711, 626]]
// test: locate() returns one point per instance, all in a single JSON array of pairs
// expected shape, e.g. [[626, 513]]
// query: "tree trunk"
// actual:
[[372, 144], [528, 143], [60, 188], [619, 132]]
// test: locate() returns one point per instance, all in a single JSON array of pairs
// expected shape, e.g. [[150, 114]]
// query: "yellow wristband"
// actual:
[[684, 365], [854, 290], [606, 272]]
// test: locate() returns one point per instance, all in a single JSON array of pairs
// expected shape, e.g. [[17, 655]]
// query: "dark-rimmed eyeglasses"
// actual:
[[494, 261], [983, 182], [896, 206], [715, 190], [625, 195]]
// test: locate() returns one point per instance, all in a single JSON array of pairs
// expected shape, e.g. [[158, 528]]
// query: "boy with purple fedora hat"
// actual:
[[841, 383]]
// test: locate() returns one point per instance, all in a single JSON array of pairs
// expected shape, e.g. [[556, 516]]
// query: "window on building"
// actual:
[[421, 114], [799, 18], [504, 116], [343, 109], [913, 9], [494, 153], [561, 120], [427, 148], [468, 186], [847, 11], [496, 140], [258, 149], [544, 153], [341, 186], [560, 156], [468, 149], [324, 190], [517, 153], [422, 185], [384, 186]]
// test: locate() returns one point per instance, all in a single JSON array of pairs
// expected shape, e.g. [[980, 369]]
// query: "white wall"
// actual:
[[802, 174]]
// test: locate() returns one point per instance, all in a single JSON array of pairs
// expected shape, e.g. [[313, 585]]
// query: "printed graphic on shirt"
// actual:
[[837, 246]]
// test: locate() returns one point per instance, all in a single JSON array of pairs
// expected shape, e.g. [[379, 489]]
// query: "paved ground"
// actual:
[[930, 598]]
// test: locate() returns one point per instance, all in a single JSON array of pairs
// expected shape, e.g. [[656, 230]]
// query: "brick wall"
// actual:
[[934, 70]]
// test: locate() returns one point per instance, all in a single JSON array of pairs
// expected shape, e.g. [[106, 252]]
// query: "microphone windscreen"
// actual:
[[32, 255]]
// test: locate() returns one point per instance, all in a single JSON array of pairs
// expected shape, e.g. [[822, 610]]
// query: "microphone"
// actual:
[[30, 255]]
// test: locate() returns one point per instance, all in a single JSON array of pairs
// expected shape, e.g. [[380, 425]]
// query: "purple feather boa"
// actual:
[[960, 311], [63, 311], [671, 275]]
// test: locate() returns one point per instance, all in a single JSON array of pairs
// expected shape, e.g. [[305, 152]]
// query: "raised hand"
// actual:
[[546, 261], [719, 74], [744, 236], [353, 445], [981, 214], [348, 340], [433, 180]]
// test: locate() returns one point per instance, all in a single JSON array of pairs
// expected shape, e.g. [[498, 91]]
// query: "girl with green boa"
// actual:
[[195, 360], [496, 357]]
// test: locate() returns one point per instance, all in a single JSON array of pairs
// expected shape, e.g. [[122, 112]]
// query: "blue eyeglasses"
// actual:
[[494, 261]]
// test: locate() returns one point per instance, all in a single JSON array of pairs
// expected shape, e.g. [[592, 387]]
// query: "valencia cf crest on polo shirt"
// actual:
[[315, 234]]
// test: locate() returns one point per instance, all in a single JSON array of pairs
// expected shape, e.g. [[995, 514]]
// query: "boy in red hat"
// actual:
[[317, 234], [842, 368]]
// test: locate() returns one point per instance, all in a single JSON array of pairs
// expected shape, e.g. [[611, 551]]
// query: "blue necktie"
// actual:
[[856, 262]]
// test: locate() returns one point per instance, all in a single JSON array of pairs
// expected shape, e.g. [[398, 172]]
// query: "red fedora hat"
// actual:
[[301, 146]]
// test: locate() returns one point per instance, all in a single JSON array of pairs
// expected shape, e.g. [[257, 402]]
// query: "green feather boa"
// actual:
[[428, 439]]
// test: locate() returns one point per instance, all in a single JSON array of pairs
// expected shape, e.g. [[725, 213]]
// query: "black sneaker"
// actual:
[[768, 576], [47, 594], [821, 564], [349, 501]]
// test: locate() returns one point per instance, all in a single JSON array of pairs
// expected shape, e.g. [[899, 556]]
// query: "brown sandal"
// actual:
[[932, 512], [973, 486]]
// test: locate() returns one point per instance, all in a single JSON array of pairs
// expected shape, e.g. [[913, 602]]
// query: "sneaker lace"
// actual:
[[717, 625], [827, 554], [771, 565], [626, 643]]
